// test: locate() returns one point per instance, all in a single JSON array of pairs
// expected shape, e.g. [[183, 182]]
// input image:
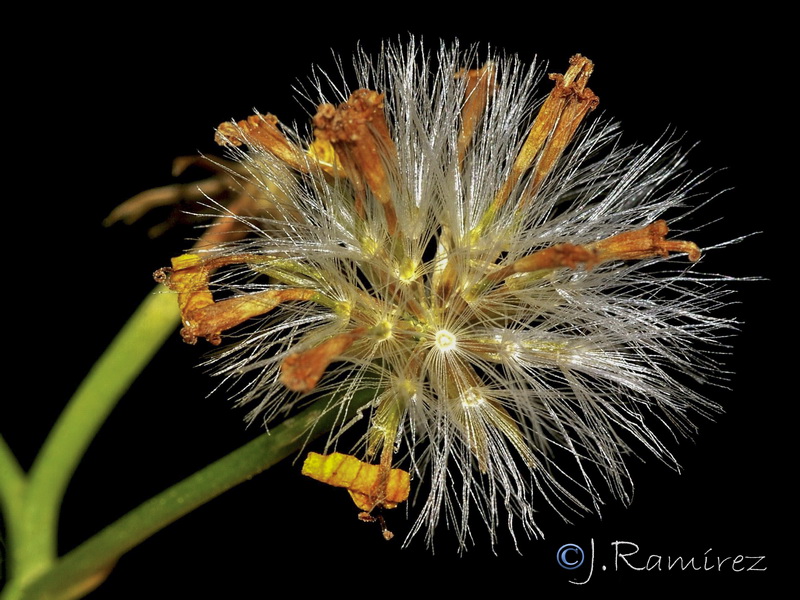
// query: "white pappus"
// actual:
[[461, 237]]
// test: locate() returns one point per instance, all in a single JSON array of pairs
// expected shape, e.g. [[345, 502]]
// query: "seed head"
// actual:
[[494, 263]]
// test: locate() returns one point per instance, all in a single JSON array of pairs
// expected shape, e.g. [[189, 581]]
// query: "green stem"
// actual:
[[87, 566], [34, 544], [12, 482], [12, 491]]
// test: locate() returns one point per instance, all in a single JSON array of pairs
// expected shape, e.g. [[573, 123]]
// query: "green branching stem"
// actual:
[[90, 563], [32, 504]]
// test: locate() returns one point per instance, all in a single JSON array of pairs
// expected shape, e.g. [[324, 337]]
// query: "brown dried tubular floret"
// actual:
[[359, 134]]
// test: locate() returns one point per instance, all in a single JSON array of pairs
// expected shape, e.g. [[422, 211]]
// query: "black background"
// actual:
[[96, 113]]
